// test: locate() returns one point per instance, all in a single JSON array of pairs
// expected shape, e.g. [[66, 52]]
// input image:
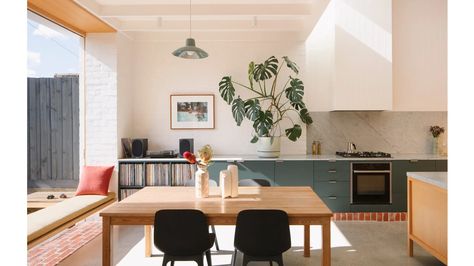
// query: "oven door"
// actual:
[[371, 187]]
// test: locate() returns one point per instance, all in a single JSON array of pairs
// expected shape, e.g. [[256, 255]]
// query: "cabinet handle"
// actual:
[[332, 171], [230, 161], [240, 161], [332, 161], [279, 161], [332, 197], [332, 182], [413, 161]]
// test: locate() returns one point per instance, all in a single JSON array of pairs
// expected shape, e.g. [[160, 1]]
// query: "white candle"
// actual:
[[234, 172], [225, 182]]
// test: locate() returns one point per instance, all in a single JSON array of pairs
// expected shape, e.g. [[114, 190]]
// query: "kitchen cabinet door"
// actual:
[[215, 168], [294, 173], [336, 203], [257, 169], [442, 165], [332, 170]]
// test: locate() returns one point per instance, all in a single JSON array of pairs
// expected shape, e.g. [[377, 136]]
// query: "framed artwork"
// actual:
[[192, 111]]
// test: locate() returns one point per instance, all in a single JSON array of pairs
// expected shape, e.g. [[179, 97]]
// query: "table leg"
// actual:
[[410, 247], [106, 241], [326, 258], [306, 240], [147, 240]]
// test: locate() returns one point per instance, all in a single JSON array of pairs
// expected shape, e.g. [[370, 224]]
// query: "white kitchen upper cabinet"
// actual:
[[357, 36]]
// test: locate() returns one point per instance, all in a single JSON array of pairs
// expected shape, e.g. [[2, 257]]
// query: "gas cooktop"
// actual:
[[364, 154]]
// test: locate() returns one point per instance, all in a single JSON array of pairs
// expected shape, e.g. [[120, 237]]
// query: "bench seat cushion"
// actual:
[[47, 219]]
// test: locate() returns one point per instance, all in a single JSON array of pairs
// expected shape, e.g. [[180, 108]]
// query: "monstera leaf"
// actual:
[[293, 133], [295, 92], [263, 123], [238, 110], [252, 107], [226, 89], [265, 70], [305, 117], [298, 105], [254, 139], [290, 64]]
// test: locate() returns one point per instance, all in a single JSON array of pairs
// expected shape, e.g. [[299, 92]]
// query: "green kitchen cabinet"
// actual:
[[400, 169], [294, 173], [337, 203], [331, 170], [331, 183], [257, 169], [335, 194], [442, 165], [215, 168], [247, 169]]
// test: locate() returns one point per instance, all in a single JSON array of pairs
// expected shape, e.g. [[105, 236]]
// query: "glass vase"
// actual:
[[201, 179]]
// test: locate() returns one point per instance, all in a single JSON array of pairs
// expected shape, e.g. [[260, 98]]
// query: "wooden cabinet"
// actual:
[[428, 218], [294, 173]]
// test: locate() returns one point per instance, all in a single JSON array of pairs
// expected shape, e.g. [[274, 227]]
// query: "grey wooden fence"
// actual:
[[53, 129]]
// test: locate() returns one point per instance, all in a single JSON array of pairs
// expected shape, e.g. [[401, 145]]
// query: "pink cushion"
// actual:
[[94, 180]]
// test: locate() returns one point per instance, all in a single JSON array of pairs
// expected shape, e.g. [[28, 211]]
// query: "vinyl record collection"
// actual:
[[157, 174], [131, 174], [180, 173]]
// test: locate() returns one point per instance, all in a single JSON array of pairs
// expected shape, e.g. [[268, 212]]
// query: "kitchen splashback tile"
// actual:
[[393, 132]]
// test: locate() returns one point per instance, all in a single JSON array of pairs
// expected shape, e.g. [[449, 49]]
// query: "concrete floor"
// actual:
[[353, 243]]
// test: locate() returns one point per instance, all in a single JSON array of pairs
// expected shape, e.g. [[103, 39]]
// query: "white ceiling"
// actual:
[[168, 20]]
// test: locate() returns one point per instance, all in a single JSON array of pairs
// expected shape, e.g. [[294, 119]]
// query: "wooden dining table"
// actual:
[[303, 206]]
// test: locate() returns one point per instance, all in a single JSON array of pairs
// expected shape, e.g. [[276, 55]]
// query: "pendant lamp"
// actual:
[[190, 51]]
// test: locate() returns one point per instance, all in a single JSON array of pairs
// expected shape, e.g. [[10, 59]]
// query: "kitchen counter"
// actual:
[[302, 157], [439, 179]]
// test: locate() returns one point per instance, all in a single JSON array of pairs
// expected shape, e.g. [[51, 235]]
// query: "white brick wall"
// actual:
[[101, 101]]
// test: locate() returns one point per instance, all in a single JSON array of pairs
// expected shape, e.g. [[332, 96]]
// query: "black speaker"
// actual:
[[139, 148], [186, 145]]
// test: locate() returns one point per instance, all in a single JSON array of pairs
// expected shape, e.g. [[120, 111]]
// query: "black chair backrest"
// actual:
[[262, 232], [181, 232], [257, 182]]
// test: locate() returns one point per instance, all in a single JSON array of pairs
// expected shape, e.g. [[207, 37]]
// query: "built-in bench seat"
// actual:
[[45, 223]]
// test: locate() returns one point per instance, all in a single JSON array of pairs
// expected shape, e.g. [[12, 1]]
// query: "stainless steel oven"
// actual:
[[371, 183]]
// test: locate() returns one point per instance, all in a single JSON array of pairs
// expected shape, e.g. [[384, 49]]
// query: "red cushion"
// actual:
[[94, 180]]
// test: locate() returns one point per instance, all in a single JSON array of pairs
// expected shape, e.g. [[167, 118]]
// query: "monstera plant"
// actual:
[[269, 105]]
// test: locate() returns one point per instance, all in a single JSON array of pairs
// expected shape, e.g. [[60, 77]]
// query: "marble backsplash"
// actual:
[[393, 132]]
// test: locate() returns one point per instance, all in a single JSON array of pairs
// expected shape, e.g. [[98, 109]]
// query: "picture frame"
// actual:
[[192, 111]]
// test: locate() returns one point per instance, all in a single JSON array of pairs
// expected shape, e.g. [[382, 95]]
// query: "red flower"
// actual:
[[191, 158]]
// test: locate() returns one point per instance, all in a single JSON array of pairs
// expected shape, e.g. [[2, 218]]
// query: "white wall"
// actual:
[[157, 74], [101, 101], [420, 55], [125, 88]]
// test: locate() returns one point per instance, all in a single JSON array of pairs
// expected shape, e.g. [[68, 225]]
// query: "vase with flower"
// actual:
[[436, 131], [201, 177]]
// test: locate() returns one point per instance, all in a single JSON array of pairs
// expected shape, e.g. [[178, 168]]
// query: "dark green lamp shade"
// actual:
[[190, 51]]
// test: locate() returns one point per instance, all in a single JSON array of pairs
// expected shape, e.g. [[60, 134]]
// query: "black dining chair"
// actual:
[[262, 235], [257, 182], [183, 235], [212, 183]]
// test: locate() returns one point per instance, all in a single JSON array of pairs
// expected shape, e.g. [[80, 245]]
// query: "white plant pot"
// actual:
[[268, 147]]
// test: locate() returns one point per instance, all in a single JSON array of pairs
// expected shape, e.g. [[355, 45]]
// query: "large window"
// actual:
[[54, 71]]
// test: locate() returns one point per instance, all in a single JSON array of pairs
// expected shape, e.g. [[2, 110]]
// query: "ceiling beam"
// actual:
[[204, 10], [159, 24], [174, 36]]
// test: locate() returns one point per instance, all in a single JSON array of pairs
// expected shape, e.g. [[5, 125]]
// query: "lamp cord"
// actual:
[[190, 19]]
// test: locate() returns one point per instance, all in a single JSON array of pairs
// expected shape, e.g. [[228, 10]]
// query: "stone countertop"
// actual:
[[302, 157], [439, 179]]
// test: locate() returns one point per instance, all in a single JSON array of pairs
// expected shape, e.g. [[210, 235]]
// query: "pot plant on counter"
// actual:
[[269, 105]]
